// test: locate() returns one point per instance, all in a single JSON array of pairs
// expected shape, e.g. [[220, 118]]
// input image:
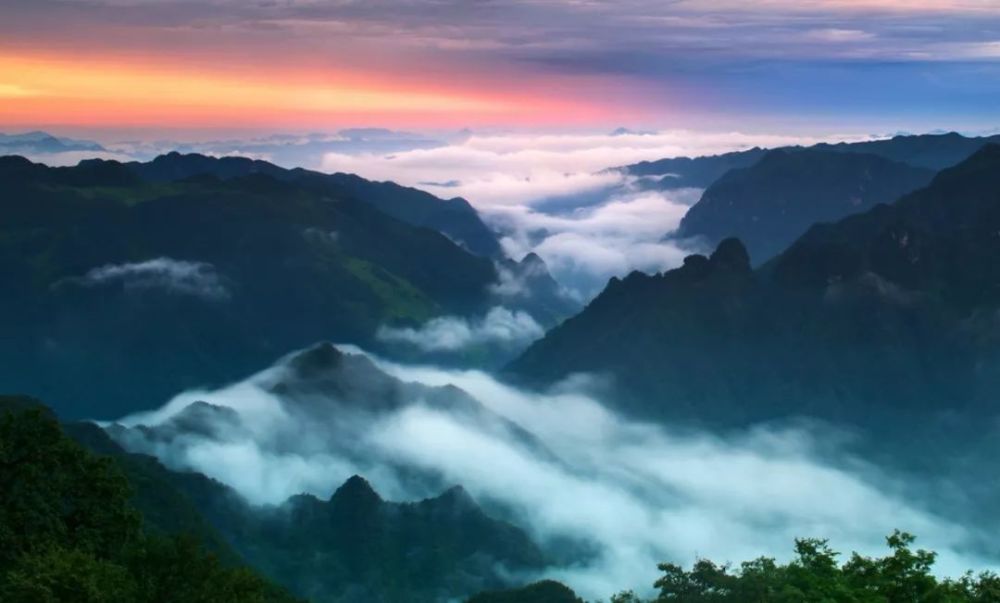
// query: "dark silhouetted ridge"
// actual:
[[356, 493]]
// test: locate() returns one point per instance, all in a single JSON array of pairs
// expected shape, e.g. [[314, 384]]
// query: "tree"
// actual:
[[68, 533], [814, 576], [55, 493]]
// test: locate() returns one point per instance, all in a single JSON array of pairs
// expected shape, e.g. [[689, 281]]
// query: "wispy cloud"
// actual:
[[499, 326], [197, 279]]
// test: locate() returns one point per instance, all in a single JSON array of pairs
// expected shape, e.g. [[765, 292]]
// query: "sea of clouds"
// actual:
[[554, 194], [635, 493]]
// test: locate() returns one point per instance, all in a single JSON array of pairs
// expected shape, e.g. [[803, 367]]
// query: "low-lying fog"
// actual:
[[561, 465]]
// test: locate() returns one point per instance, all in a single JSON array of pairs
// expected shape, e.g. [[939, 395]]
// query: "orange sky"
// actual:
[[107, 91], [315, 65]]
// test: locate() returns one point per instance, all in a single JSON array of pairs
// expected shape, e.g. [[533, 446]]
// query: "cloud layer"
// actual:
[[570, 468], [494, 170], [553, 194]]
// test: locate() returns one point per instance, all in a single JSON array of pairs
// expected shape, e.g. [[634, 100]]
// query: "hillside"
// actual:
[[69, 529], [771, 203], [927, 151], [931, 151], [352, 547], [884, 320], [694, 172], [453, 217], [142, 288]]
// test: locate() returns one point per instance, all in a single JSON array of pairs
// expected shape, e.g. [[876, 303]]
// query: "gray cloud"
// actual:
[[197, 279], [633, 31], [639, 494]]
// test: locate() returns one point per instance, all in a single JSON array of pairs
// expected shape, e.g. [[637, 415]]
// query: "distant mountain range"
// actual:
[[884, 320], [147, 279], [769, 198], [43, 143], [454, 218], [771, 203], [930, 151], [693, 172], [296, 150]]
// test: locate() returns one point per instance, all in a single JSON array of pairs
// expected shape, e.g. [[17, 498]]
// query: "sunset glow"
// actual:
[[77, 91], [309, 65]]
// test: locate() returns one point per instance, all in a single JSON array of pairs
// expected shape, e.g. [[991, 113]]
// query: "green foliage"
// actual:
[[400, 299], [626, 596], [61, 574], [53, 493], [177, 569], [68, 532], [816, 576]]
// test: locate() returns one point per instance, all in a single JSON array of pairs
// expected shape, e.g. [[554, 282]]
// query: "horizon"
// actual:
[[789, 67]]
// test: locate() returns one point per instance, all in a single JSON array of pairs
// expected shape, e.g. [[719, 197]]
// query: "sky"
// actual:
[[775, 65]]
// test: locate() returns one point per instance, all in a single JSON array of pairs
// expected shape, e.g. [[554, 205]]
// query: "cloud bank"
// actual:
[[569, 468], [498, 169], [451, 333], [553, 194]]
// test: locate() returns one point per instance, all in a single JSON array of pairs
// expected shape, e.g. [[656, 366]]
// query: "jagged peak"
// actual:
[[356, 492]]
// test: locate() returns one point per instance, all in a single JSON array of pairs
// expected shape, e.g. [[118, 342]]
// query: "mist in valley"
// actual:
[[606, 497]]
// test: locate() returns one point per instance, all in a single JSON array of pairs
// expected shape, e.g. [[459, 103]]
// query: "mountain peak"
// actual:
[[317, 359], [731, 254], [355, 493], [15, 162], [456, 498]]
